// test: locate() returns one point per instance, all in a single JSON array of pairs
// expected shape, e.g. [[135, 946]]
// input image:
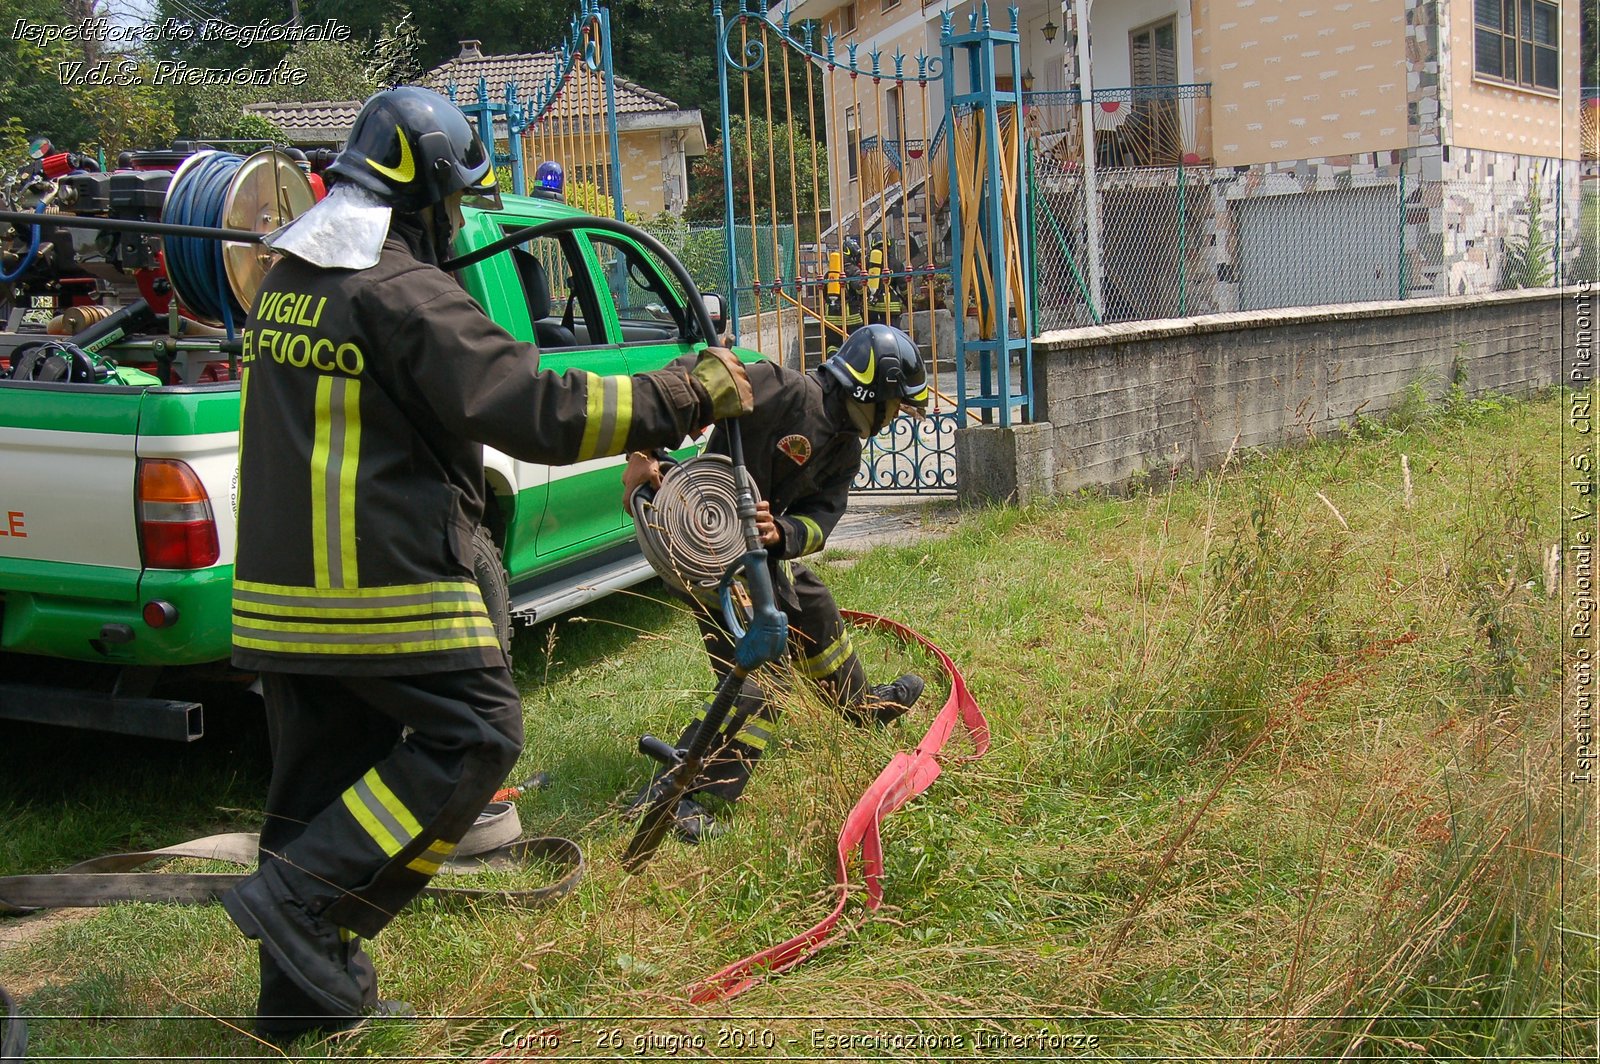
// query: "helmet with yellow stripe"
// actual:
[[412, 148], [880, 367]]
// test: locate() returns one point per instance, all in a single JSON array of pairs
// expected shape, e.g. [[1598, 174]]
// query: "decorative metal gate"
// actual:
[[989, 208], [571, 119], [835, 209]]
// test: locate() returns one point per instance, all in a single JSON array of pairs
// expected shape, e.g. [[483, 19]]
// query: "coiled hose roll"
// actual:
[[194, 265], [689, 528]]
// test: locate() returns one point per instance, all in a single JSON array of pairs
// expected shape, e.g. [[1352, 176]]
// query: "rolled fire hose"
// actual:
[[493, 841], [688, 528]]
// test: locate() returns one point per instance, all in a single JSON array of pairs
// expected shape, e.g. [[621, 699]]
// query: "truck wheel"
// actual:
[[490, 572]]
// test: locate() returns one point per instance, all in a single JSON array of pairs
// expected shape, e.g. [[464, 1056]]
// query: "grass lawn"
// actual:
[[1276, 771]]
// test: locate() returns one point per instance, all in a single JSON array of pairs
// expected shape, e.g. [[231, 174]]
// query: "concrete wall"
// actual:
[[1180, 394]]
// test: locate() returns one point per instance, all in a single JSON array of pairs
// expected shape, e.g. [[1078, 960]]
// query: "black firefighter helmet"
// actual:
[[879, 365], [412, 148]]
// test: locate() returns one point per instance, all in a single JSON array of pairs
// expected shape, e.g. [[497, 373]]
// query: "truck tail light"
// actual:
[[176, 527]]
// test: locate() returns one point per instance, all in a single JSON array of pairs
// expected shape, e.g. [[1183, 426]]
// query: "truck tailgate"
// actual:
[[67, 488]]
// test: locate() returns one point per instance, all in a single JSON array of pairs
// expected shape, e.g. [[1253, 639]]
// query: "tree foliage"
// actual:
[[42, 93], [1589, 32], [761, 162]]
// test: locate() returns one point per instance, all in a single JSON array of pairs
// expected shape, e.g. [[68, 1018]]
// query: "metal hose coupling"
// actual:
[[689, 528]]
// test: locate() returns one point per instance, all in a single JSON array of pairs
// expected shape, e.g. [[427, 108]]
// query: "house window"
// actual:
[[846, 23], [1518, 41], [890, 5], [1153, 51]]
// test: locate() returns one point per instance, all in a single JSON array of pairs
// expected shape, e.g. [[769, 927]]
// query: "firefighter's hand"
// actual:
[[766, 527], [724, 379], [644, 471]]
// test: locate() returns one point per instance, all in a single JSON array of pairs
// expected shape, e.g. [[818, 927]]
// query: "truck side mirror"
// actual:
[[718, 311]]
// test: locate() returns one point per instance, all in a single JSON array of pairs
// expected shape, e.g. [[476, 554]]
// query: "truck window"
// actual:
[[561, 302], [648, 304]]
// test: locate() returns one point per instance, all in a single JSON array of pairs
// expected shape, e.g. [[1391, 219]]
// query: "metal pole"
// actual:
[[1024, 233], [1033, 275], [1183, 234], [727, 174], [1555, 251], [129, 225], [1091, 184], [1400, 271], [958, 283], [1000, 293], [611, 112], [514, 128]]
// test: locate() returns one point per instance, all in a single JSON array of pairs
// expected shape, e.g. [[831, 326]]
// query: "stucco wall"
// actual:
[[1494, 117], [1150, 396], [1304, 79], [653, 175]]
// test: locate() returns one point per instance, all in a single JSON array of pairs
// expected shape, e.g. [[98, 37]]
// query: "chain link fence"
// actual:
[[766, 259], [1178, 241]]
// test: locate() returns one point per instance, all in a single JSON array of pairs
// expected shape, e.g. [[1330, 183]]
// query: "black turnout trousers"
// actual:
[[819, 649], [361, 812]]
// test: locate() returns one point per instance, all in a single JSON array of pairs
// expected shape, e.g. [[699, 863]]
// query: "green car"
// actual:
[[117, 502]]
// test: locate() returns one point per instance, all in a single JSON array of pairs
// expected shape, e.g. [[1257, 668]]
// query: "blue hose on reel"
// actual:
[[194, 265], [27, 259]]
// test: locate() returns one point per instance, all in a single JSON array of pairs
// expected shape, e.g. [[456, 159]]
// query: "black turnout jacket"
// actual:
[[366, 398]]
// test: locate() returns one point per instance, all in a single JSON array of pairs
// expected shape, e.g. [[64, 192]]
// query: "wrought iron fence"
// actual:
[[1134, 125], [911, 455]]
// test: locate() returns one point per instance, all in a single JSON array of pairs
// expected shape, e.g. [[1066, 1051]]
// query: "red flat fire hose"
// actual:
[[906, 776]]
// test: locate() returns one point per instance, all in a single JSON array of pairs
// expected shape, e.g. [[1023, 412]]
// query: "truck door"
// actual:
[[545, 296], [67, 482], [645, 310]]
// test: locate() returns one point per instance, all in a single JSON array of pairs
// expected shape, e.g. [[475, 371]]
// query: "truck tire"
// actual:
[[490, 572]]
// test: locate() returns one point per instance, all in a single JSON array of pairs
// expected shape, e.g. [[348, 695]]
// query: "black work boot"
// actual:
[[285, 1030], [886, 703], [308, 948], [693, 822], [285, 1013]]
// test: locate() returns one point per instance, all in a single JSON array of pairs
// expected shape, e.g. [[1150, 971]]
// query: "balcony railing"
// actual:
[[1136, 125]]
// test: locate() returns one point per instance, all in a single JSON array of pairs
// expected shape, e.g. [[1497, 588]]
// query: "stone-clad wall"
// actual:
[[1155, 397]]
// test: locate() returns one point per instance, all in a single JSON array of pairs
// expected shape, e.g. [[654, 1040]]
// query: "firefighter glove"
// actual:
[[724, 379]]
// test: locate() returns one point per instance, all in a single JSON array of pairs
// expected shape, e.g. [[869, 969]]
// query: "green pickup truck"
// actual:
[[117, 502]]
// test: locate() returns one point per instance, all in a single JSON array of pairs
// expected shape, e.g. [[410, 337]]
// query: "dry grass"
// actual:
[[1276, 772]]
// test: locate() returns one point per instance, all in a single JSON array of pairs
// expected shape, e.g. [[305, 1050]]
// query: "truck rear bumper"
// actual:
[[152, 718]]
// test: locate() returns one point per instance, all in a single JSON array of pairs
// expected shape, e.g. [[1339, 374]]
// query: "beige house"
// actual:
[[1271, 103], [655, 137]]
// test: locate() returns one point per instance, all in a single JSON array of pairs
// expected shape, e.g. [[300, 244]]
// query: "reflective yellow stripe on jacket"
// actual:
[[402, 619], [335, 456], [610, 416]]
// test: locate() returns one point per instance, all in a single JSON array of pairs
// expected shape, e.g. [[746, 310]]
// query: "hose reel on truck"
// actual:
[[215, 209]]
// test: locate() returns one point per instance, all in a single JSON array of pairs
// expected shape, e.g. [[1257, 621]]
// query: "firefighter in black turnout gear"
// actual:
[[803, 452], [370, 380]]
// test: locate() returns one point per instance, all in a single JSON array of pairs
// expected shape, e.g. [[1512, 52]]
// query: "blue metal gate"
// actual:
[[835, 213]]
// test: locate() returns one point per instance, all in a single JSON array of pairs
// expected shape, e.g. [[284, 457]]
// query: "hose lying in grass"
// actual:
[[906, 776]]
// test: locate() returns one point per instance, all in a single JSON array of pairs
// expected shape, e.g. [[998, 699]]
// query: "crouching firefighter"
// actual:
[[370, 382], [803, 452]]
